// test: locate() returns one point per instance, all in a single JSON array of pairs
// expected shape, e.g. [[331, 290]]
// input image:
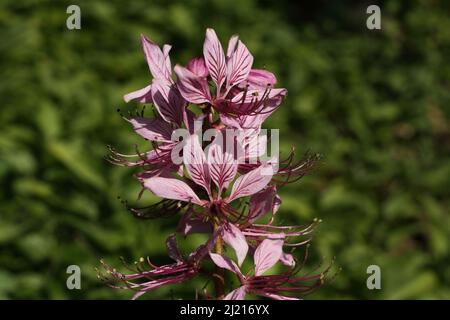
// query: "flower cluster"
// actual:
[[209, 165]]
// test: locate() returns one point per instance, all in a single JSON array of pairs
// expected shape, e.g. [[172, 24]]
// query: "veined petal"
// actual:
[[237, 294], [142, 95], [267, 254], [215, 58], [154, 129], [254, 144], [192, 87], [251, 182], [170, 188], [222, 163], [226, 263], [239, 65], [166, 50], [232, 45], [157, 60], [242, 122], [168, 101], [261, 203], [235, 239], [195, 161]]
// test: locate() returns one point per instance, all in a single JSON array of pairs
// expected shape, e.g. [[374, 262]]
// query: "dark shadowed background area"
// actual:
[[375, 104]]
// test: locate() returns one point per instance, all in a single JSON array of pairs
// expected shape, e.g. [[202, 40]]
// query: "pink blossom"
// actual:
[[279, 287], [239, 89]]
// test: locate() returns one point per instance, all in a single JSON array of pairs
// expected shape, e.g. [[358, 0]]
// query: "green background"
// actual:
[[374, 103]]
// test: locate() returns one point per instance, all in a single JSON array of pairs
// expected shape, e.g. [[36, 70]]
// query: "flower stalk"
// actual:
[[219, 280]]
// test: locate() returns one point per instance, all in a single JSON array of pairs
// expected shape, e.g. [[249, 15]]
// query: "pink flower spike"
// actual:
[[237, 294], [267, 254], [215, 59], [233, 236], [170, 188], [198, 67], [206, 149], [192, 87], [250, 183], [195, 162]]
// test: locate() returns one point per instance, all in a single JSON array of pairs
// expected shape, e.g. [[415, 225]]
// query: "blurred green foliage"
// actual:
[[374, 103]]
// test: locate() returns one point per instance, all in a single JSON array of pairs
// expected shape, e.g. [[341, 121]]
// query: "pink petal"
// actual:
[[198, 67], [192, 87], [222, 163], [261, 203], [166, 50], [214, 58], [152, 129], [254, 144], [142, 95], [250, 183], [239, 65], [189, 120], [237, 294], [195, 161], [233, 236], [170, 188], [226, 263], [168, 101], [267, 254], [232, 45], [157, 60], [287, 259], [276, 204], [260, 79]]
